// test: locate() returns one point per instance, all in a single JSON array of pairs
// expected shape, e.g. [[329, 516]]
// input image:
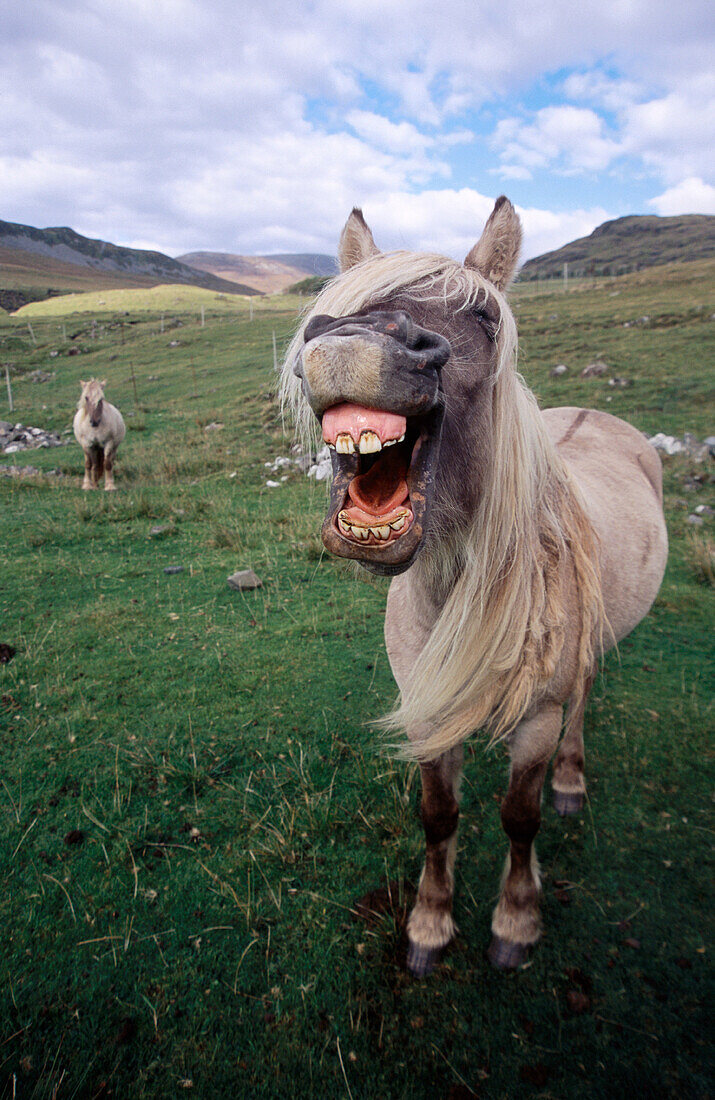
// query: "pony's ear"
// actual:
[[356, 241], [103, 383], [82, 384], [496, 253]]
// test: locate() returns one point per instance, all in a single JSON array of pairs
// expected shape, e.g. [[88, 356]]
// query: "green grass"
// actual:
[[192, 800]]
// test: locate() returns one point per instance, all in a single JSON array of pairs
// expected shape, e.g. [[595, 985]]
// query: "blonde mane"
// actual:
[[500, 633]]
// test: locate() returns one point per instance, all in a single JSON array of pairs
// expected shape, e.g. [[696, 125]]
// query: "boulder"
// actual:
[[244, 580]]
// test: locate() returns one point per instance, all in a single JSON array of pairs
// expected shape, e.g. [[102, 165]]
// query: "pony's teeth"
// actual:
[[369, 442], [344, 444], [398, 524]]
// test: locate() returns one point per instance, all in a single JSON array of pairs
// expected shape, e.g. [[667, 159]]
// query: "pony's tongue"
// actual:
[[356, 419], [381, 490]]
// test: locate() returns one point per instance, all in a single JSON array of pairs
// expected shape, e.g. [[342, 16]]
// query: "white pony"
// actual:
[[99, 429]]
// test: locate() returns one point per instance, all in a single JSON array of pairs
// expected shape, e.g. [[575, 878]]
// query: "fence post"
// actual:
[[134, 384], [9, 388]]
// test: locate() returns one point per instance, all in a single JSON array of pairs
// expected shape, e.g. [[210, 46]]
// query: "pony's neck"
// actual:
[[492, 494]]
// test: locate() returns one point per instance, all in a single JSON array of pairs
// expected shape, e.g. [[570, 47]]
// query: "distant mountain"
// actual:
[[628, 244], [266, 273], [72, 251]]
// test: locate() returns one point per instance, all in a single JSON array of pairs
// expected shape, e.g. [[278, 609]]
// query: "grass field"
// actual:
[[192, 801]]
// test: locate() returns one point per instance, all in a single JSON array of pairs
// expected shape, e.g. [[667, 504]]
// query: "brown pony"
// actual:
[[99, 429], [522, 543]]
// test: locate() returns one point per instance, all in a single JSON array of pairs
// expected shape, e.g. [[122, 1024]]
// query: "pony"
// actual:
[[522, 543], [99, 429]]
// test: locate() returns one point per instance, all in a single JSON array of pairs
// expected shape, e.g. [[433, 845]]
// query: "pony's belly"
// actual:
[[619, 476]]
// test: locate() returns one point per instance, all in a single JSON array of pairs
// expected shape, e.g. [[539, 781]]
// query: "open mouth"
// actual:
[[382, 463]]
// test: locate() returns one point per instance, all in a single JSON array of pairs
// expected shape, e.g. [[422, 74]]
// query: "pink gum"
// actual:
[[356, 419]]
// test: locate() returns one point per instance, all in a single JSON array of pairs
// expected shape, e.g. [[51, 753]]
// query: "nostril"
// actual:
[[317, 326]]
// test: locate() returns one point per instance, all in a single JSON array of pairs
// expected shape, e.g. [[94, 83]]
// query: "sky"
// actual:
[[220, 125]]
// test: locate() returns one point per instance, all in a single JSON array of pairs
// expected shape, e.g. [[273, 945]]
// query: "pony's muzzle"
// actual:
[[379, 359], [373, 380]]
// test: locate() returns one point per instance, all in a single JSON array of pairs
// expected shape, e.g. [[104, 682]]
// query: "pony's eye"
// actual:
[[486, 322]]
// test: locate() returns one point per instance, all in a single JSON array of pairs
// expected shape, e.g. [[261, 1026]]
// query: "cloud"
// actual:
[[690, 196], [566, 139], [451, 222], [674, 134], [206, 124]]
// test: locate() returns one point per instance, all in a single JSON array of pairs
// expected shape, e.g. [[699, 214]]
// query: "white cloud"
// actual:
[[674, 134], [451, 222], [565, 139], [690, 196], [211, 124]]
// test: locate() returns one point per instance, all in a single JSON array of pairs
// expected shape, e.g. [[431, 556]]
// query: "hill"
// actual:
[[61, 259], [629, 244], [164, 298], [265, 273]]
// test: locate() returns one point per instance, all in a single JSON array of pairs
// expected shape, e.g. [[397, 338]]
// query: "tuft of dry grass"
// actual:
[[701, 557]]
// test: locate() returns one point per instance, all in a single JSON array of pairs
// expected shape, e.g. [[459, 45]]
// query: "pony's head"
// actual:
[[92, 400], [396, 361]]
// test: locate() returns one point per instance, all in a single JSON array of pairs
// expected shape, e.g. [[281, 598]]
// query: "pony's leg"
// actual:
[[516, 923], [87, 483], [108, 469], [431, 926], [567, 783], [97, 465]]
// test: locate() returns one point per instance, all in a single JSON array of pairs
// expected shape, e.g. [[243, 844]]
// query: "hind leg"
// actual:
[[97, 460], [430, 926], [568, 783], [516, 922]]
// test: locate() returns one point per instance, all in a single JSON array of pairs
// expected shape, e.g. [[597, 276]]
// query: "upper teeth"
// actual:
[[369, 443]]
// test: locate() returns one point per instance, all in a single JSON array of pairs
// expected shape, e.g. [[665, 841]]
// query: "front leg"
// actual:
[[87, 483], [516, 923], [109, 453], [430, 926]]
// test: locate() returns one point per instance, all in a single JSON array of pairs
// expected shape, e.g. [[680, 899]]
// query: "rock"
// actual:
[[704, 510], [273, 484], [28, 471], [620, 383], [17, 437], [175, 343], [667, 443], [558, 370], [214, 426], [695, 521], [7, 652], [321, 470], [159, 529], [244, 580], [595, 369], [172, 569]]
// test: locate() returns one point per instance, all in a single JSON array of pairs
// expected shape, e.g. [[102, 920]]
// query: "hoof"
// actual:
[[507, 956], [421, 961], [567, 804]]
